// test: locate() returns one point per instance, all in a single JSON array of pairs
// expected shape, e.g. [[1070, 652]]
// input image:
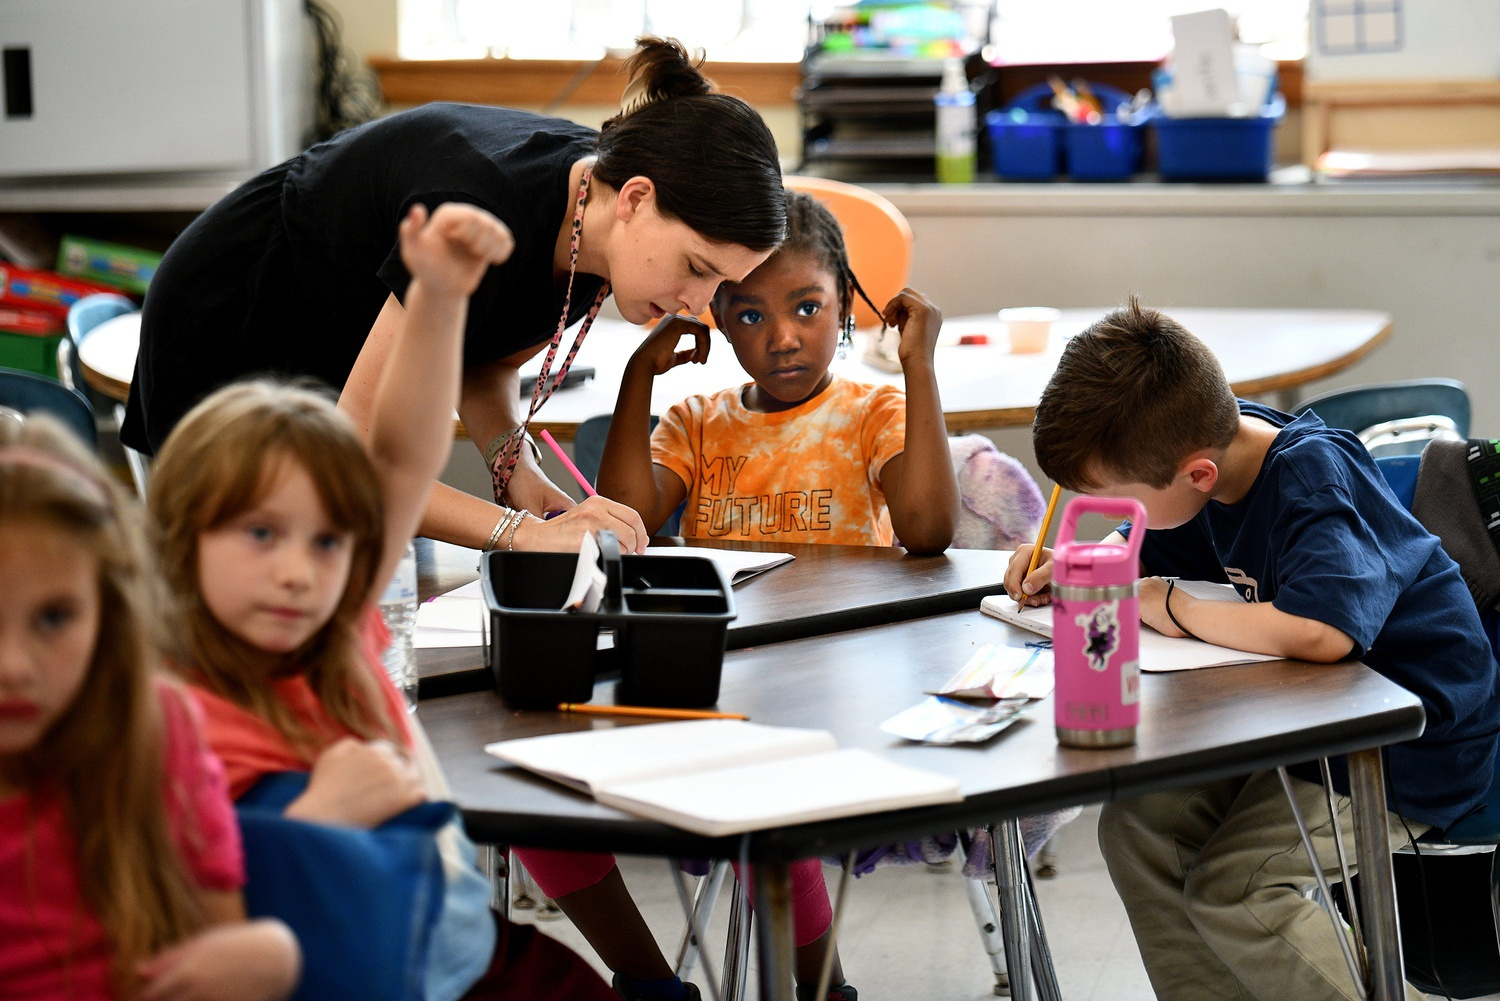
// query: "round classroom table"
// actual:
[[983, 385]]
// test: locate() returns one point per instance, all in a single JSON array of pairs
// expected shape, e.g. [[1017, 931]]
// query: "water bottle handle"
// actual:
[[1120, 507]]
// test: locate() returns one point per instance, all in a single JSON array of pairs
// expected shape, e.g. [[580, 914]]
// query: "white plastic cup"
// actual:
[[1030, 327]]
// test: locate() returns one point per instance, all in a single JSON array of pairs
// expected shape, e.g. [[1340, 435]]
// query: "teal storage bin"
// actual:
[[1218, 149]]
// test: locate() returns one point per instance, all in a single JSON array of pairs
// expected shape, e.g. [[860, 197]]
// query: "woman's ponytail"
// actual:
[[710, 156]]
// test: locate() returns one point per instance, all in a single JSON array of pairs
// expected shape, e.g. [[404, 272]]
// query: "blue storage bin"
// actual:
[[1041, 143], [1109, 151], [1218, 149], [1026, 136]]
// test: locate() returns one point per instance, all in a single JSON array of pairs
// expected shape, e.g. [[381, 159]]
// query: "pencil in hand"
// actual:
[[551, 442], [1041, 537]]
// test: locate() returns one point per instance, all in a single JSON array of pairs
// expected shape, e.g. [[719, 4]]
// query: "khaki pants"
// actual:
[[1213, 880]]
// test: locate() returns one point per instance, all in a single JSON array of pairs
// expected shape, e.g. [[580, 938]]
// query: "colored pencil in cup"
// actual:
[[562, 457], [650, 711]]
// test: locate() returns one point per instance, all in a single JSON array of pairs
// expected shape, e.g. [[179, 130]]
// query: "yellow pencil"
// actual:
[[1041, 536], [579, 707]]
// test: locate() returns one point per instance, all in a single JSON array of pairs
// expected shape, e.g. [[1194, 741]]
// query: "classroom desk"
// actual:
[[825, 589], [1196, 726], [1262, 351]]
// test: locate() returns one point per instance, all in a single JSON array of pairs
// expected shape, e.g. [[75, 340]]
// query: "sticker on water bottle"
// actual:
[[1130, 682], [1101, 633]]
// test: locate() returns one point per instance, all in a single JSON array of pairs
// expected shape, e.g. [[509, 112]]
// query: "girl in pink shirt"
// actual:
[[280, 528], [120, 861]]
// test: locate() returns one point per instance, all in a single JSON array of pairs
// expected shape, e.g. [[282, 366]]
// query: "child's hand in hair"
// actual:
[[450, 250], [359, 783], [240, 961], [1033, 588], [919, 321], [658, 352]]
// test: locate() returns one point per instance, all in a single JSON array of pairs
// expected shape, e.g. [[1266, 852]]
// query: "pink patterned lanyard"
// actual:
[[510, 453]]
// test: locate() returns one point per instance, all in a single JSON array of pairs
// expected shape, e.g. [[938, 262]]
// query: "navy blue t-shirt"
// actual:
[[1320, 535]]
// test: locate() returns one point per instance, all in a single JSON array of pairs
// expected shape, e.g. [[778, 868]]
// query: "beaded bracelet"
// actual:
[[510, 540], [508, 519], [1168, 603]]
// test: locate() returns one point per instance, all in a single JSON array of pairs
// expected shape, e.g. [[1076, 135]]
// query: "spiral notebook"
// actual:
[[1158, 653]]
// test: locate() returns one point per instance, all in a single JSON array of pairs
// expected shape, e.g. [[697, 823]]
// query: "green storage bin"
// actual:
[[30, 352]]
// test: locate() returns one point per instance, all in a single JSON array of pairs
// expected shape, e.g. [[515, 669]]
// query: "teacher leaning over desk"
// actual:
[[297, 272]]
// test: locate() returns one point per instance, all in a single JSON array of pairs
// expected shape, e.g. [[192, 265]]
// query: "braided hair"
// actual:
[[811, 228]]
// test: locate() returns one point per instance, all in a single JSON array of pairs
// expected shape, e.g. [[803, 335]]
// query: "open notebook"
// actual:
[[718, 777], [1158, 653], [739, 565]]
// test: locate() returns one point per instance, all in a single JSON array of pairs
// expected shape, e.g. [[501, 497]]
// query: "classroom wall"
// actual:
[[1438, 275]]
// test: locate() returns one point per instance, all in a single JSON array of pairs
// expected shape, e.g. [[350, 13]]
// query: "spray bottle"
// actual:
[[955, 125]]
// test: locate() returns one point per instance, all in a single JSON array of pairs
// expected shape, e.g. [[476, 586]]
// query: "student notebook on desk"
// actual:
[[718, 777], [1158, 653], [739, 565]]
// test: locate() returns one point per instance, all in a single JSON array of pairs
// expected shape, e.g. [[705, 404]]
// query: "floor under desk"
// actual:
[[908, 934]]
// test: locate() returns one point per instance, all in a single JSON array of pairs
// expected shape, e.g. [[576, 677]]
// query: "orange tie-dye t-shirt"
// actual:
[[809, 474]]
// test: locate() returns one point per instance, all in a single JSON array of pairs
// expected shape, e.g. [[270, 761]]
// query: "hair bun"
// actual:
[[660, 68]]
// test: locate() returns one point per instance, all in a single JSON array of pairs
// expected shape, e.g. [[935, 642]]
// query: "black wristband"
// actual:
[[1172, 583]]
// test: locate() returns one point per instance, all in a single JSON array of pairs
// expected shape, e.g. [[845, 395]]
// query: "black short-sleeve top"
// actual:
[[343, 200], [287, 273]]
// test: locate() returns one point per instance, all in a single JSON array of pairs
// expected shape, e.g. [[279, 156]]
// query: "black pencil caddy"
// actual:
[[669, 616]]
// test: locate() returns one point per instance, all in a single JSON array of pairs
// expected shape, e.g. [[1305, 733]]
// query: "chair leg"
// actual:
[[737, 946], [705, 896], [520, 898], [988, 924], [495, 861], [140, 469]]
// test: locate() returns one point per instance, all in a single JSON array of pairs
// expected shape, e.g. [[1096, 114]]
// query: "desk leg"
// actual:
[[1377, 882], [1009, 861], [773, 930]]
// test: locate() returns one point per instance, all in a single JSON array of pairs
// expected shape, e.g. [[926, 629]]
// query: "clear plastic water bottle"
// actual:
[[955, 126], [398, 606]]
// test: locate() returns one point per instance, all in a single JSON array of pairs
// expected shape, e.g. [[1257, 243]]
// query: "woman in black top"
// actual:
[[297, 271]]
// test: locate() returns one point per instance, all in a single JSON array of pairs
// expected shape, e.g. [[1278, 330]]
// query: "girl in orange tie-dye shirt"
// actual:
[[799, 454]]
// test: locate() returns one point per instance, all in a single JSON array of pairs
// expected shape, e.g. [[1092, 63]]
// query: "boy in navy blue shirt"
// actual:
[[1298, 518]]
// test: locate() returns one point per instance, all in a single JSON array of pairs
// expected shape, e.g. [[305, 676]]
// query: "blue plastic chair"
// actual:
[[588, 454], [1464, 889], [1363, 408], [29, 393], [86, 314]]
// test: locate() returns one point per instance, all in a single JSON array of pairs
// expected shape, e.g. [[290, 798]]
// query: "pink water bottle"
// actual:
[[1096, 628]]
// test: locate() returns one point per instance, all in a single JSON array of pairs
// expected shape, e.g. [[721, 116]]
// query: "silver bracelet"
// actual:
[[508, 518], [510, 540]]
